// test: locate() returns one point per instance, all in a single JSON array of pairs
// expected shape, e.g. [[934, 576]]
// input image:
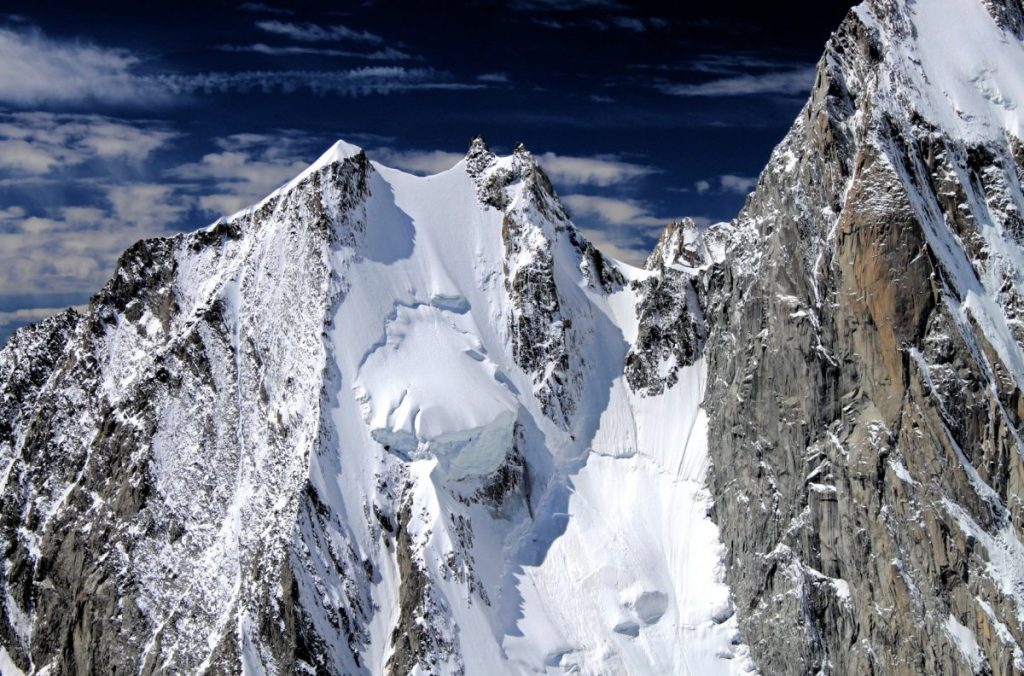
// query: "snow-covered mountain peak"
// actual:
[[338, 153], [956, 62], [516, 178], [479, 156], [684, 244], [384, 394]]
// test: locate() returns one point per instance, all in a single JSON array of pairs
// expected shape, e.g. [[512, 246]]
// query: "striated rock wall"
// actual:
[[863, 389]]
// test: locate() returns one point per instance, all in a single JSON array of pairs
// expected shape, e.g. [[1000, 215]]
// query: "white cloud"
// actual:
[[68, 249], [72, 247], [311, 32], [622, 228], [37, 143], [39, 70], [146, 205], [734, 64], [614, 211], [496, 78], [739, 185], [627, 248], [792, 82], [423, 162], [601, 170], [263, 7], [727, 184], [27, 157], [246, 169]]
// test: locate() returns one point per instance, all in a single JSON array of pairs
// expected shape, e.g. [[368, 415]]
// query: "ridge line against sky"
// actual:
[[120, 122]]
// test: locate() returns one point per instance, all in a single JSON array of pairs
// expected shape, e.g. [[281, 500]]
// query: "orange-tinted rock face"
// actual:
[[864, 389]]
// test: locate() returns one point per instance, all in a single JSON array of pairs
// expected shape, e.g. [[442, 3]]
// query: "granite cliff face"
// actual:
[[865, 358]]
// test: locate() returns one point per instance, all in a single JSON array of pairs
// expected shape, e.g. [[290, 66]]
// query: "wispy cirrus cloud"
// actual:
[[729, 63], [796, 81], [264, 8], [385, 54], [594, 15], [496, 78], [562, 5], [736, 63], [351, 82], [630, 24], [40, 70], [312, 32], [638, 24]]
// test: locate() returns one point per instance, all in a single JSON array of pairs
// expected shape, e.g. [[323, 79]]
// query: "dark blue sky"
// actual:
[[125, 120]]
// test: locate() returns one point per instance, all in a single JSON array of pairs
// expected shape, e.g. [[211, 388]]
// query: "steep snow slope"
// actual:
[[375, 423], [543, 545]]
